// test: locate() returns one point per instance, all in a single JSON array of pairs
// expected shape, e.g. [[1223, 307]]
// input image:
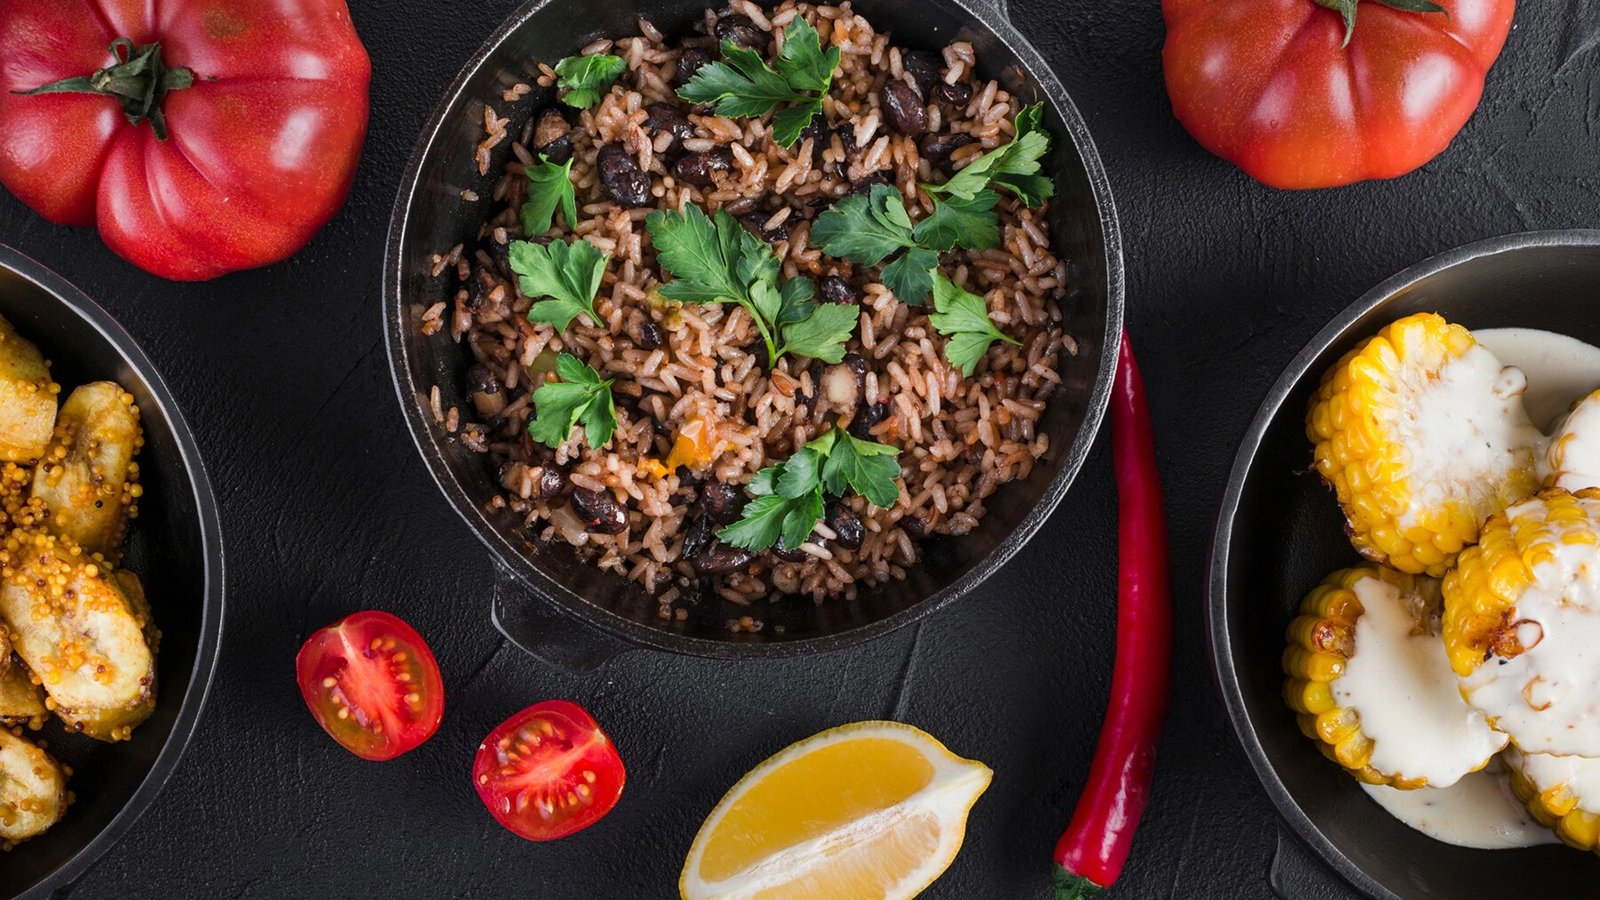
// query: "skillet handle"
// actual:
[[547, 633], [991, 10], [1299, 875]]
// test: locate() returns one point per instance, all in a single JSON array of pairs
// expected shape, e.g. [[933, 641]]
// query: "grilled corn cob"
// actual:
[[1572, 460], [1422, 435], [33, 789], [1371, 684], [1522, 621], [27, 397], [1562, 792], [87, 478]]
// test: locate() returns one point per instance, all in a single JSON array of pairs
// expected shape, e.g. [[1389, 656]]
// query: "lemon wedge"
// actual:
[[869, 811]]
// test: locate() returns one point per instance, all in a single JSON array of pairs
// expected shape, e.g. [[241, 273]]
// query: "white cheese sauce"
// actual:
[[1479, 811], [1467, 431], [1573, 460], [1400, 683], [1560, 369], [1548, 696]]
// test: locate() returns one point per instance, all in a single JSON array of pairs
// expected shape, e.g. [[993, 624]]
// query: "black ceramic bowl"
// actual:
[[175, 547], [1280, 532], [431, 216]]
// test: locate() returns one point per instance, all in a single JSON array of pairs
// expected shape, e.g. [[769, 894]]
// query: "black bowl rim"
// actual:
[[1219, 640], [990, 14], [198, 688]]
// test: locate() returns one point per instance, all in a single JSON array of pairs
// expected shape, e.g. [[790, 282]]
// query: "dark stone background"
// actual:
[[327, 509]]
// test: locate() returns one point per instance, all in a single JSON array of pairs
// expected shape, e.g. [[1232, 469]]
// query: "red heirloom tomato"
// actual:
[[548, 771], [372, 683], [1320, 93], [202, 136]]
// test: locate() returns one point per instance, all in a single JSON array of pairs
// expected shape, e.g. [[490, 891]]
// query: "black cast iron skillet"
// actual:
[[1279, 533], [561, 590], [175, 547]]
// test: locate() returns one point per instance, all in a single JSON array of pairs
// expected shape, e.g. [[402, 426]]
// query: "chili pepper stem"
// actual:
[[1074, 887]]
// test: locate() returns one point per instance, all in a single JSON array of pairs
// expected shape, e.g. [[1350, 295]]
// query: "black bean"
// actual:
[[501, 254], [552, 482], [818, 130], [689, 62], [665, 117], [599, 511], [847, 525], [483, 389], [742, 31], [756, 224], [793, 556], [621, 178], [838, 290], [903, 108], [721, 501], [720, 559], [936, 148], [700, 169], [552, 136], [696, 538], [867, 418], [915, 527], [958, 94], [649, 335], [923, 67], [864, 187]]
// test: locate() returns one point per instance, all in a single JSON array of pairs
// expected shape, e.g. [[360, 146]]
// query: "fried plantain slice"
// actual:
[[27, 398], [21, 697], [88, 479], [33, 789], [80, 632]]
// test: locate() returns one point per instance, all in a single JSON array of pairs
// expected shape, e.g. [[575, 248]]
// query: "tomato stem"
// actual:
[[1347, 11], [139, 80]]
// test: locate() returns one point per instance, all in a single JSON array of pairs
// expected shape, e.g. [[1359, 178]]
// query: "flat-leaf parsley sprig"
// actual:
[[1013, 166], [549, 189], [568, 274], [788, 499], [743, 85], [583, 80], [718, 261], [580, 397], [963, 317], [867, 230]]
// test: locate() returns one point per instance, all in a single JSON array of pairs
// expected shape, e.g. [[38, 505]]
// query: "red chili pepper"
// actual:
[[1090, 855]]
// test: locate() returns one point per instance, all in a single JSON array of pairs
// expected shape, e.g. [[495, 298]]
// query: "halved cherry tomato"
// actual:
[[548, 771], [372, 683]]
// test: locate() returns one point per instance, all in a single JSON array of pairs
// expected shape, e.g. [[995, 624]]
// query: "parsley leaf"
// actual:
[[867, 230], [1014, 166], [582, 80], [718, 261], [743, 85], [580, 397], [790, 498], [568, 274], [965, 222], [963, 317], [549, 189]]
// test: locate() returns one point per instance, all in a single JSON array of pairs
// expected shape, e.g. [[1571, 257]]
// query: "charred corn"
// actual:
[[1522, 619], [1422, 434], [1370, 683]]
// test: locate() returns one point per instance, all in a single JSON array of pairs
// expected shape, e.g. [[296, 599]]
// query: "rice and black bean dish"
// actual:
[[760, 309]]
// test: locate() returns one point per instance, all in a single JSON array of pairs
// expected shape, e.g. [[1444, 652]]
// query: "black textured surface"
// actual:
[[327, 510]]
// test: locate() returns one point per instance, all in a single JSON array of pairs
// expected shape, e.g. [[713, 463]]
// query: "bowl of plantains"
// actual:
[[172, 547], [1280, 532], [559, 604]]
